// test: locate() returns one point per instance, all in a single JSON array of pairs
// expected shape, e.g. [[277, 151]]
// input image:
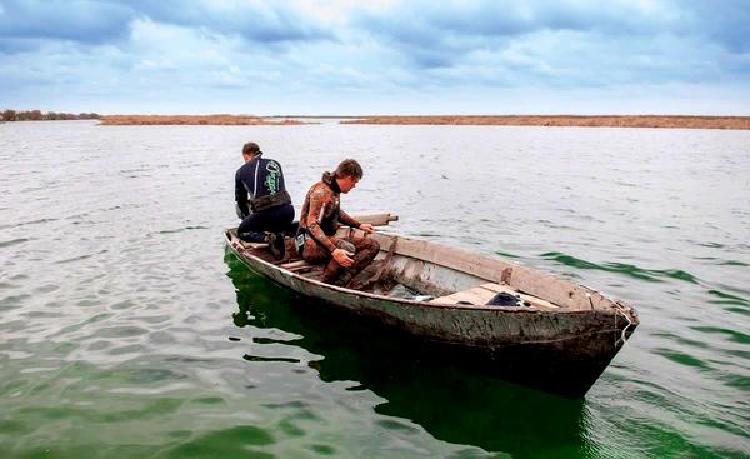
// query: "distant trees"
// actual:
[[37, 115]]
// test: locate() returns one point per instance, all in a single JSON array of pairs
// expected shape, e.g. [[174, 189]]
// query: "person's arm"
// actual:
[[318, 199], [348, 220], [240, 196]]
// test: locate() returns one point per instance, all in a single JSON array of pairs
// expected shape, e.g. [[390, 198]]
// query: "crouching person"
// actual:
[[263, 203], [320, 218]]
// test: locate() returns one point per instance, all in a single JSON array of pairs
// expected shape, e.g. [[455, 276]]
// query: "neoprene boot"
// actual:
[[252, 236]]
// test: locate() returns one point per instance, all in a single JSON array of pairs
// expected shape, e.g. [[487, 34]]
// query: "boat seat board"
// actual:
[[253, 245], [301, 269], [483, 294], [475, 296], [293, 264], [297, 267]]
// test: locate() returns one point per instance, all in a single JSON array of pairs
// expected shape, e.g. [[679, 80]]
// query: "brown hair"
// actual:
[[349, 168], [251, 148]]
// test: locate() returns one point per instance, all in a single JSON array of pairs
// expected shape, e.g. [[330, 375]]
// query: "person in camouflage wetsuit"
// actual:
[[319, 220]]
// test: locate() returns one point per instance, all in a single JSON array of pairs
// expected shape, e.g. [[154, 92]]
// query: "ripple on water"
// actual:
[[134, 350], [4, 244], [727, 298], [120, 331], [46, 288], [74, 259], [13, 301], [149, 375], [738, 381], [681, 340], [630, 270], [209, 401], [186, 228], [126, 304], [232, 442], [733, 263], [322, 450], [733, 335], [682, 358]]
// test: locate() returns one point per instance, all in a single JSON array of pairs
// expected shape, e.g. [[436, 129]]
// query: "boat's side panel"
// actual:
[[558, 291], [430, 279]]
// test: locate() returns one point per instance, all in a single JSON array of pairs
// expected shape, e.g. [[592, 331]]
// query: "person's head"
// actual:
[[348, 174], [250, 150]]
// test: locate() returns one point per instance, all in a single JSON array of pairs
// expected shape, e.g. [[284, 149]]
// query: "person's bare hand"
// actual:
[[367, 228], [342, 257]]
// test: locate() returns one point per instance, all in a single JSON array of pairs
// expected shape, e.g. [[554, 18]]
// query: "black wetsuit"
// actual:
[[262, 200]]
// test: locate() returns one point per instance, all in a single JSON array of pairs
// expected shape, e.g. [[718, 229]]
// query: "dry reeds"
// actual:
[[631, 121], [143, 120]]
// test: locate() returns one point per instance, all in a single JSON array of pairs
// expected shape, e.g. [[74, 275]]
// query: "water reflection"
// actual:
[[454, 404]]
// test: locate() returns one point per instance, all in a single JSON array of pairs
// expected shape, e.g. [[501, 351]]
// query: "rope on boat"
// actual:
[[620, 310]]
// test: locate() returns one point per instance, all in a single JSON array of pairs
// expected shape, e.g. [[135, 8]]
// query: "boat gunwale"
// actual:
[[485, 308]]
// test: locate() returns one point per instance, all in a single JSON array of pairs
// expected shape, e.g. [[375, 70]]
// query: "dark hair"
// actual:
[[349, 168], [251, 148]]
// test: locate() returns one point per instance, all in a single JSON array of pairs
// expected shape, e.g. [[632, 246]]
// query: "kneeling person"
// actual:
[[319, 220], [263, 203]]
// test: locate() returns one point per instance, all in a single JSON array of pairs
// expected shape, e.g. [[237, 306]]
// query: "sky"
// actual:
[[354, 57]]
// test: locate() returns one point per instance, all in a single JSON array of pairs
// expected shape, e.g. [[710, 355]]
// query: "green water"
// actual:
[[127, 330]]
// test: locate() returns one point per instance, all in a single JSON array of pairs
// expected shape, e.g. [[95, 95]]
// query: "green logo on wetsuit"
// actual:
[[272, 179]]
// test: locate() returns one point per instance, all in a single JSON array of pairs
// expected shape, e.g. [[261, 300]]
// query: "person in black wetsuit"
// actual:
[[263, 203]]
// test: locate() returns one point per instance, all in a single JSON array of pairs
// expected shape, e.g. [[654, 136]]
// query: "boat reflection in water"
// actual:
[[452, 400]]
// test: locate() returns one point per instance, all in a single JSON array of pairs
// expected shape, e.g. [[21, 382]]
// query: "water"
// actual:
[[127, 331]]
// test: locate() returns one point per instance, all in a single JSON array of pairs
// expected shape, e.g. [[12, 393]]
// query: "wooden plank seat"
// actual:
[[483, 294], [298, 267], [254, 245], [476, 296]]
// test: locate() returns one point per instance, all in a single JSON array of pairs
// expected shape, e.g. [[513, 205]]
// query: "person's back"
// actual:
[[260, 186], [262, 200]]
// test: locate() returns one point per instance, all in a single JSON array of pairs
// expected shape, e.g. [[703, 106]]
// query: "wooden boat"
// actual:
[[560, 337]]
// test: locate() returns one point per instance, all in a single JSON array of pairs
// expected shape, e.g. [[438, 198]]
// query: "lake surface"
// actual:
[[126, 330]]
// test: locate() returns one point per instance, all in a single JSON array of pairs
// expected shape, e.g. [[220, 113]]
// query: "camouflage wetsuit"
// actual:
[[320, 218]]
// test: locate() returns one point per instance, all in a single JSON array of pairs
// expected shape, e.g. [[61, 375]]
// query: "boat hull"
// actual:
[[561, 352]]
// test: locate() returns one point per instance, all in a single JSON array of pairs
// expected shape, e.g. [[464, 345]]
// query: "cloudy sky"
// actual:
[[376, 56]]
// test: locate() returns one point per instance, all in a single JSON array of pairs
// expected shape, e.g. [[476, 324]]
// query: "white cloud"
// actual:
[[359, 56]]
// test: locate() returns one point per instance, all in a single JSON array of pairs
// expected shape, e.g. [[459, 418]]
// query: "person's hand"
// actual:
[[367, 228], [341, 257]]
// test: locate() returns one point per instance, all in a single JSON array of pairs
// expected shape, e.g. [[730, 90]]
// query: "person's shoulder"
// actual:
[[266, 161], [244, 167], [320, 191]]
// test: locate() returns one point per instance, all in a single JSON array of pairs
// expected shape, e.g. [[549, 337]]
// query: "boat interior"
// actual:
[[424, 271]]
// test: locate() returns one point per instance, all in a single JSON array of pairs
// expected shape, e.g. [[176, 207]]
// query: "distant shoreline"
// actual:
[[223, 120], [622, 121]]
